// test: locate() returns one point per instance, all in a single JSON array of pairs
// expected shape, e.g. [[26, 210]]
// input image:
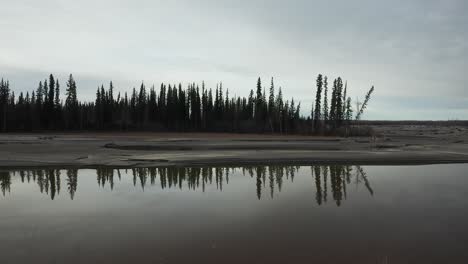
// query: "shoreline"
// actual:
[[397, 145]]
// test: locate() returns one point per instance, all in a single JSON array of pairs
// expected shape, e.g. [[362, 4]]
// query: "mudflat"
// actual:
[[395, 144]]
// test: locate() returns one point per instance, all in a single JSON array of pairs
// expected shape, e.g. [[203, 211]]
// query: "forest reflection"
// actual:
[[328, 180]]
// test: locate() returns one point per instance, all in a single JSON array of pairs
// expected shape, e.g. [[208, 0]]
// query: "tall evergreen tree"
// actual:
[[57, 108], [46, 96], [258, 101], [349, 110], [339, 102], [344, 98], [50, 103], [251, 105], [111, 93], [39, 94], [318, 98], [71, 104], [4, 98], [279, 110], [271, 99], [332, 115], [271, 106], [325, 99], [57, 95]]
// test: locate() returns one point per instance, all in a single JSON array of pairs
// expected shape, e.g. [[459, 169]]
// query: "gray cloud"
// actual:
[[414, 51]]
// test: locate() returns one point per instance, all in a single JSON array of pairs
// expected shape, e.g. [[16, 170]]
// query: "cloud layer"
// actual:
[[414, 52]]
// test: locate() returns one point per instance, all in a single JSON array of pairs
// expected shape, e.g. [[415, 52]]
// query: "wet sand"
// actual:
[[395, 144]]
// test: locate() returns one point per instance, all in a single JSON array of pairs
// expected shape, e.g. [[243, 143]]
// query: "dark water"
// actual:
[[318, 214]]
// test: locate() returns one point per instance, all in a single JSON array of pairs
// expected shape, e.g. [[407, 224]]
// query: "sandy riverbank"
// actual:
[[398, 144]]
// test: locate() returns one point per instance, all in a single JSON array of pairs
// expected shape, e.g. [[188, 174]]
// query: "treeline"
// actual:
[[173, 108]]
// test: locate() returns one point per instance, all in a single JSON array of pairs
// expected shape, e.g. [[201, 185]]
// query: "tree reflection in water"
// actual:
[[268, 179]]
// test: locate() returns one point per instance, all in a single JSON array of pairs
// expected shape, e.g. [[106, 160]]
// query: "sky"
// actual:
[[415, 52]]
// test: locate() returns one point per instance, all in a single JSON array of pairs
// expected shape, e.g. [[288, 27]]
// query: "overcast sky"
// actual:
[[415, 52]]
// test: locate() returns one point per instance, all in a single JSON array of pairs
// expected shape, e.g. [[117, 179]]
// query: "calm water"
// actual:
[[318, 214]]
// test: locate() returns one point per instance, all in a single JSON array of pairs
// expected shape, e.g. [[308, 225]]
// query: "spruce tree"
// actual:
[[4, 96], [39, 95], [98, 108], [57, 107], [141, 105], [332, 115], [250, 105], [325, 99], [57, 95], [221, 102], [312, 116], [271, 99], [216, 101], [258, 101], [339, 102], [71, 103], [46, 95], [111, 93], [344, 98], [349, 110], [318, 98], [50, 103], [279, 109], [264, 105]]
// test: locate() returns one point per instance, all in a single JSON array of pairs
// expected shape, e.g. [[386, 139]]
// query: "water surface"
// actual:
[[276, 214]]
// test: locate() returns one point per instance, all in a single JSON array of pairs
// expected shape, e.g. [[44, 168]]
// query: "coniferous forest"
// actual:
[[194, 108]]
